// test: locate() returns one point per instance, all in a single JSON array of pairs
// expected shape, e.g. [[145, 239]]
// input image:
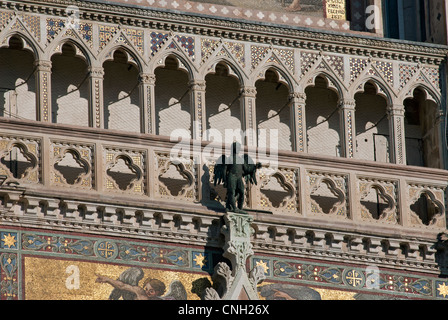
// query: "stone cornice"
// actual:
[[326, 41], [196, 229]]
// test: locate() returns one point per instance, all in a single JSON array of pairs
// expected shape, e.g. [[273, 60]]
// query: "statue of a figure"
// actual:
[[231, 171]]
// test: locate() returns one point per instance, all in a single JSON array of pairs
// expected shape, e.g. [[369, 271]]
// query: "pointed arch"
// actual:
[[29, 43], [234, 69], [82, 52], [333, 83], [382, 88]]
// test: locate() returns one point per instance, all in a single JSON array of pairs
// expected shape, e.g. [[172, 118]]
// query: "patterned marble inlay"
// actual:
[[54, 26], [407, 72], [357, 65], [258, 53], [157, 40]]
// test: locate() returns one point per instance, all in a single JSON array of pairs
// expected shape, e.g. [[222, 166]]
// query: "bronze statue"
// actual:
[[231, 171]]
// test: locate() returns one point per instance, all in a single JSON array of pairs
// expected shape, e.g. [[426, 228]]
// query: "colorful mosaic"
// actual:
[[307, 60], [84, 30], [136, 36], [369, 280], [287, 56], [407, 72], [51, 266], [357, 66], [208, 46], [238, 51], [433, 75], [157, 40], [337, 63], [33, 24], [106, 33], [187, 43], [258, 53], [54, 26], [5, 18], [386, 68]]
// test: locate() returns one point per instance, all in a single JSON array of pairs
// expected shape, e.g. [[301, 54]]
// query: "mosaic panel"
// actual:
[[433, 75], [157, 40], [386, 68], [135, 36], [337, 63], [54, 26], [208, 46], [52, 266], [33, 23], [288, 58], [5, 18], [187, 43], [84, 30], [106, 33], [357, 65], [258, 53], [238, 51], [365, 281], [307, 60], [407, 72], [9, 275]]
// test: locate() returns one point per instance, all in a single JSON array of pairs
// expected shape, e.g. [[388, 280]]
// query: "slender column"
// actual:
[[347, 118], [43, 85], [198, 119], [249, 128], [248, 115], [147, 102], [298, 121], [397, 138], [96, 103]]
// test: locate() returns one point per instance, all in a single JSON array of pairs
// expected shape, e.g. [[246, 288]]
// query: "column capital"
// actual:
[[298, 97], [197, 85], [147, 78], [396, 110], [43, 65], [247, 91], [347, 104], [96, 72]]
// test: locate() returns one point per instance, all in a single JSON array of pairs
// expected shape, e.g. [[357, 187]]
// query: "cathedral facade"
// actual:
[[113, 115]]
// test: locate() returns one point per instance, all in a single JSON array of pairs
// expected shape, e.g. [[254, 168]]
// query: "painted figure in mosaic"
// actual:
[[294, 6], [231, 171], [127, 288], [280, 291]]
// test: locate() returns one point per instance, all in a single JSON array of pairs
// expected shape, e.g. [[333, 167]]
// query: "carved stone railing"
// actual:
[[50, 158]]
